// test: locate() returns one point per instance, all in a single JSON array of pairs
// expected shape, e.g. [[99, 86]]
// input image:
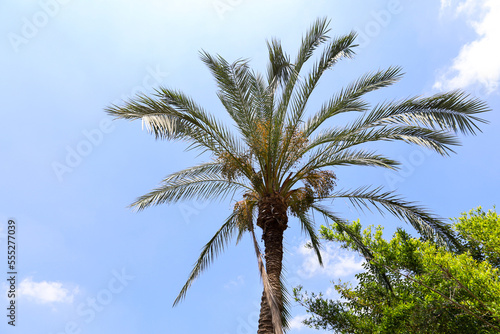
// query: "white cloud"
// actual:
[[337, 262], [239, 281], [46, 292], [296, 322], [331, 293], [477, 63], [445, 3]]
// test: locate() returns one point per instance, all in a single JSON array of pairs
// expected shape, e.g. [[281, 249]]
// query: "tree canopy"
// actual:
[[432, 289]]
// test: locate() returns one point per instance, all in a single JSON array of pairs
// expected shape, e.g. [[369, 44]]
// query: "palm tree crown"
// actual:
[[280, 160]]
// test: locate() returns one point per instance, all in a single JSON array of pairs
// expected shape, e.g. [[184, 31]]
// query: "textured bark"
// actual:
[[273, 220]]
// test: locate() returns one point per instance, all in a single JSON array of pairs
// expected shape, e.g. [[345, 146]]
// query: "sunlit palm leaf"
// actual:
[[348, 99], [199, 187], [454, 111], [238, 88], [215, 246], [279, 67], [201, 119], [322, 159], [341, 47], [309, 229], [172, 115], [428, 225], [342, 138]]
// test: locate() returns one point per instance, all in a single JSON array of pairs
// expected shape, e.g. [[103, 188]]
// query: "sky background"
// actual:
[[86, 263]]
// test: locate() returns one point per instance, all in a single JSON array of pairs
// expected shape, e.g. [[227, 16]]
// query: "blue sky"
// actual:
[[87, 264]]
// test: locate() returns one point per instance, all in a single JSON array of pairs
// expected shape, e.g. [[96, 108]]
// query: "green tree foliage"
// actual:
[[432, 289]]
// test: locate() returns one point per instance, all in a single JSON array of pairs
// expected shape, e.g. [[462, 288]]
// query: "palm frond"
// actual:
[[279, 67], [349, 136], [349, 98], [175, 188], [159, 118], [343, 227], [338, 48], [286, 314], [172, 115], [237, 86], [429, 226], [329, 158], [203, 120], [348, 157], [341, 47], [210, 251], [307, 226], [315, 36], [207, 169], [353, 158], [454, 111], [263, 99]]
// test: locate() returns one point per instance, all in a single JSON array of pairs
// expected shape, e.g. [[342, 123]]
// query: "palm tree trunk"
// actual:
[[273, 221]]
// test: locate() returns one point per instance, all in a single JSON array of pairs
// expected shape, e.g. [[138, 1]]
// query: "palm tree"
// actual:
[[280, 160]]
